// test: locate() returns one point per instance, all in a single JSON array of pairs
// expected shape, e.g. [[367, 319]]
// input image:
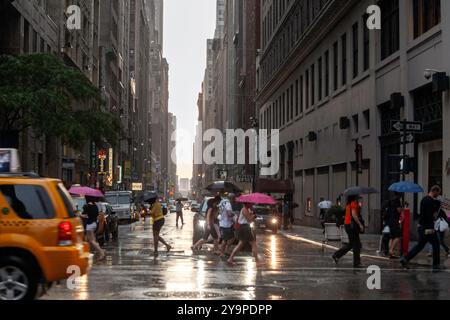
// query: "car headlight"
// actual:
[[202, 223], [252, 225], [274, 221]]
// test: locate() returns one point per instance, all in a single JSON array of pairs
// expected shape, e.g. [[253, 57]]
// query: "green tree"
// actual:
[[39, 91]]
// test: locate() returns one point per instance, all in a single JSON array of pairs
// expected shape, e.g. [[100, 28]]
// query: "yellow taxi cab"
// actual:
[[41, 237]]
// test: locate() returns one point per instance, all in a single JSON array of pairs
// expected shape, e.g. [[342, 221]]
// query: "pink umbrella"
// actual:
[[256, 198], [86, 191]]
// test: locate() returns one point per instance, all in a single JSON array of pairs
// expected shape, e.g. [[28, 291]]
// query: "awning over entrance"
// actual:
[[275, 186]]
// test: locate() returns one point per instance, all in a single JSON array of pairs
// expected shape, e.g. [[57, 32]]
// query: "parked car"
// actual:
[[108, 227], [195, 206], [48, 237], [266, 218]]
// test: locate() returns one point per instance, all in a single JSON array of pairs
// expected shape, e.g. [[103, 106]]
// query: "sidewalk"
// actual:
[[314, 236]]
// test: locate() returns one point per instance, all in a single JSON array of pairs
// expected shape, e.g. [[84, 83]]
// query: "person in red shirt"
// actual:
[[353, 226]]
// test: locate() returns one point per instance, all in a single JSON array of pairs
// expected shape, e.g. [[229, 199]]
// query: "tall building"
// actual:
[[172, 167], [40, 27], [332, 86]]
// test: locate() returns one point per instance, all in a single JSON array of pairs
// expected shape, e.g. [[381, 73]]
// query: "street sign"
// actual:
[[411, 126], [136, 187]]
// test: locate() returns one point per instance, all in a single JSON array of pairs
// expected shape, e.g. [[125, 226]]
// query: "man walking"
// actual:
[[429, 209], [179, 207], [226, 224]]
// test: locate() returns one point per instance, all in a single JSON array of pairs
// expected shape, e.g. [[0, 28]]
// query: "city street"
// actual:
[[294, 270]]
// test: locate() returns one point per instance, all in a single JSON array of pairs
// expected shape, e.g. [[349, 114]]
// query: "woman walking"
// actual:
[[158, 222], [90, 213], [245, 234], [211, 227], [353, 227], [395, 229]]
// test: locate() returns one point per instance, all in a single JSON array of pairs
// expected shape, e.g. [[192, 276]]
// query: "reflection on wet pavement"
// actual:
[[293, 270]]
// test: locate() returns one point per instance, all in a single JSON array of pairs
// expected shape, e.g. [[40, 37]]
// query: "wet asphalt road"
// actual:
[[293, 270]]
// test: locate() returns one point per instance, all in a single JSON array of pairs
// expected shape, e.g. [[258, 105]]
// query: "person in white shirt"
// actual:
[[226, 224]]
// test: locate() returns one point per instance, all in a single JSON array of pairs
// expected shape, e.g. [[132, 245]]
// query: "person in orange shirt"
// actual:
[[353, 226]]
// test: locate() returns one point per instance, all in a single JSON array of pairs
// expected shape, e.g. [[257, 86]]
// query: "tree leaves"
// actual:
[[41, 92]]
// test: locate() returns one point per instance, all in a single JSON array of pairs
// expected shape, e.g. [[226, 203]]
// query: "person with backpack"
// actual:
[[354, 226], [157, 215]]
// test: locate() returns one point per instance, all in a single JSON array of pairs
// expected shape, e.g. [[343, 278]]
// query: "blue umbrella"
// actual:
[[406, 187]]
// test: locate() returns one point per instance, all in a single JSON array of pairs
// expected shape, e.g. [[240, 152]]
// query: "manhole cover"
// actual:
[[183, 295]]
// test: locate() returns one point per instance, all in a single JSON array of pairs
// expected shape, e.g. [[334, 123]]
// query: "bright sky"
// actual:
[[187, 26]]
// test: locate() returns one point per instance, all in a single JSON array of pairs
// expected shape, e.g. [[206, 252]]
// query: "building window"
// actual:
[[356, 123], [366, 40], [296, 98], [327, 73], [335, 66], [292, 101], [284, 107], [288, 105], [313, 85], [390, 33], [366, 115], [320, 78], [301, 94], [355, 32], [307, 89], [344, 58], [427, 14]]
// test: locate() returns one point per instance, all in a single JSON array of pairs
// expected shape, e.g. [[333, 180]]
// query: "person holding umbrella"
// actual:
[[244, 230]]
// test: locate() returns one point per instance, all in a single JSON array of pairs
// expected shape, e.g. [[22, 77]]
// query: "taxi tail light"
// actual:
[[65, 234]]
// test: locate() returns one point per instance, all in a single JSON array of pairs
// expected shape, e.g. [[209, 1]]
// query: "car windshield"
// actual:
[[262, 210], [124, 199], [111, 199]]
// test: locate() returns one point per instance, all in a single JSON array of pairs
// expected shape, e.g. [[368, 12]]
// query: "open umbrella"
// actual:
[[86, 191], [149, 196], [182, 199], [223, 186], [256, 198], [406, 187], [325, 204], [359, 191]]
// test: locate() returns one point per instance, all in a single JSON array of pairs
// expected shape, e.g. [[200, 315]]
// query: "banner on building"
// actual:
[[127, 169]]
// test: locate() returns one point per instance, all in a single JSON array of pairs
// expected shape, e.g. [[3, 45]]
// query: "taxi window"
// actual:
[[29, 202], [65, 196]]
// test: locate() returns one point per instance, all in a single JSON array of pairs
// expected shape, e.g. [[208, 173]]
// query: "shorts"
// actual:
[[91, 227], [245, 233], [227, 233], [157, 225], [210, 232]]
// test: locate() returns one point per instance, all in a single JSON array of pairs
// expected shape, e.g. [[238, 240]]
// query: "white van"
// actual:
[[9, 160]]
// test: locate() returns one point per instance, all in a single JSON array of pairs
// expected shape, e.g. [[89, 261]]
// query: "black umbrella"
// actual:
[[150, 196], [223, 186], [358, 191], [182, 199]]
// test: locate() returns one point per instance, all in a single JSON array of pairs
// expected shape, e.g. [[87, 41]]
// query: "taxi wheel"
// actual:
[[18, 281]]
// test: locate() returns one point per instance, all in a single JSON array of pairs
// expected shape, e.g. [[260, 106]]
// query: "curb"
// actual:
[[323, 245]]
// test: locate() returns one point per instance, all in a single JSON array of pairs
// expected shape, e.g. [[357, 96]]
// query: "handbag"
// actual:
[[441, 225], [386, 230]]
